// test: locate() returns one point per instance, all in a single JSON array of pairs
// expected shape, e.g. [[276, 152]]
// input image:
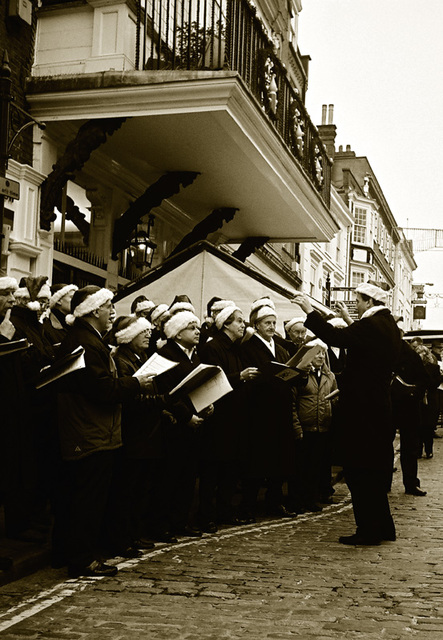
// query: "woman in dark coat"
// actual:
[[373, 347], [270, 420], [223, 434]]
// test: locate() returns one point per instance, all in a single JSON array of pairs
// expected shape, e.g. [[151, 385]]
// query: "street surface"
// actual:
[[277, 579]]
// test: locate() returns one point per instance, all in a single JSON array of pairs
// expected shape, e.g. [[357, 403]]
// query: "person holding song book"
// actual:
[[223, 434], [136, 499], [182, 331], [89, 423], [270, 435]]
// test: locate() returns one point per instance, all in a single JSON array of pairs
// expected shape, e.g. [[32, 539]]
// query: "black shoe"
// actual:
[[5, 563], [429, 456], [357, 539], [95, 570], [416, 492], [313, 506], [234, 521], [191, 532], [143, 543], [209, 527], [283, 512], [165, 536], [129, 552]]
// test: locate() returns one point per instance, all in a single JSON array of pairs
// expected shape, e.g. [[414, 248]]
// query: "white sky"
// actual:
[[380, 62]]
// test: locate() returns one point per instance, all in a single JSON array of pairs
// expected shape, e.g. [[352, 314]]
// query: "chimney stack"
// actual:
[[327, 130]]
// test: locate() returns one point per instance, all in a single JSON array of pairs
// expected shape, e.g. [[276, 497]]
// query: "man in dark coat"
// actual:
[[89, 418], [182, 331], [270, 420], [224, 432], [373, 345], [38, 411], [407, 393], [54, 325]]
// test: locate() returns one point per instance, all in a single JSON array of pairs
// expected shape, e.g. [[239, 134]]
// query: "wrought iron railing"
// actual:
[[227, 34], [81, 253]]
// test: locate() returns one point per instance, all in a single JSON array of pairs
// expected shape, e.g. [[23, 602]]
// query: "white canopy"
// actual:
[[203, 271]]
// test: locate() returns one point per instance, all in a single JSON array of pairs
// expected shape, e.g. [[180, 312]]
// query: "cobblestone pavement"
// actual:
[[275, 580]]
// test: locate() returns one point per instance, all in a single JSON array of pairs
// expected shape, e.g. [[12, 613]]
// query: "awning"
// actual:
[[203, 271]]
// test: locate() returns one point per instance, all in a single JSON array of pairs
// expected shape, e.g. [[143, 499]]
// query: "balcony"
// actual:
[[202, 89]]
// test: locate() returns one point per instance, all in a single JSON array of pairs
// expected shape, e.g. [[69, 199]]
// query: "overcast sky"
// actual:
[[380, 62]]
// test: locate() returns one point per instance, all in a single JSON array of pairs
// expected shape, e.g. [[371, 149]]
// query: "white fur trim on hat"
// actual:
[[159, 310], [58, 295], [181, 306], [130, 332], [144, 305], [263, 312], [338, 323], [297, 320], [371, 290], [262, 302], [7, 283], [22, 292], [178, 322], [45, 292], [92, 302], [317, 343], [221, 304], [224, 314]]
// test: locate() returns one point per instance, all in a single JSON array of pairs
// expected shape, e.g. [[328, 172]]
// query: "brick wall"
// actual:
[[17, 38]]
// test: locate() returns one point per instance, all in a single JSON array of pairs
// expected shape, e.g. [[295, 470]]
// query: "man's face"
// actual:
[[297, 333], [64, 305], [437, 348], [319, 360], [266, 327], [190, 336], [104, 316], [362, 305], [7, 301], [141, 342]]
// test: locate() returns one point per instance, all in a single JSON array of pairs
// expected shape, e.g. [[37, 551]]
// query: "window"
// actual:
[[360, 220], [358, 277]]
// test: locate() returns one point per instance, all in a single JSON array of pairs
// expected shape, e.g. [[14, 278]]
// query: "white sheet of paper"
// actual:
[[210, 391], [155, 365]]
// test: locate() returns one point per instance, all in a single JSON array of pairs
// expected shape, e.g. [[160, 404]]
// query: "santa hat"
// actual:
[[220, 305], [297, 320], [144, 305], [178, 322], [29, 290], [338, 323], [134, 328], [373, 290], [8, 284], [317, 343], [264, 312], [45, 292], [158, 312], [86, 300], [176, 307], [262, 302], [224, 314], [59, 292]]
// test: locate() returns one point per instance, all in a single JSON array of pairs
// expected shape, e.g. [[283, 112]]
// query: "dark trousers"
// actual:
[[217, 488], [370, 502], [88, 483], [316, 466], [409, 450]]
